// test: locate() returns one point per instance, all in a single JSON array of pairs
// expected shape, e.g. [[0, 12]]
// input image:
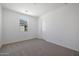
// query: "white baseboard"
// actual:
[[9, 42], [61, 44]]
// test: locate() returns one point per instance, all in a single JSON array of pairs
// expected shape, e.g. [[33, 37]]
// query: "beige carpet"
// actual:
[[35, 47]]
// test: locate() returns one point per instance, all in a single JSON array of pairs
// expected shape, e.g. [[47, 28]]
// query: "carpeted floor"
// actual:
[[35, 47]]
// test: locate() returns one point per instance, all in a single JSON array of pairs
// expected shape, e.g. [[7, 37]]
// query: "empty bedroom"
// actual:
[[39, 29]]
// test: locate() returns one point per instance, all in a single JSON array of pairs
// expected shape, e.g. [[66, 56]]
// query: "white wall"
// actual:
[[61, 26], [11, 29], [0, 24]]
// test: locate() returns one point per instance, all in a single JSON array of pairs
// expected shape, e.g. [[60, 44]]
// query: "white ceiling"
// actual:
[[33, 9]]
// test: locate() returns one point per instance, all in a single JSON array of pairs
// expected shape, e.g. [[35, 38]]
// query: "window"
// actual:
[[23, 23]]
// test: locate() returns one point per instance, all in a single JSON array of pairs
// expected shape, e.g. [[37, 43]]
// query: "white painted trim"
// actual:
[[61, 44]]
